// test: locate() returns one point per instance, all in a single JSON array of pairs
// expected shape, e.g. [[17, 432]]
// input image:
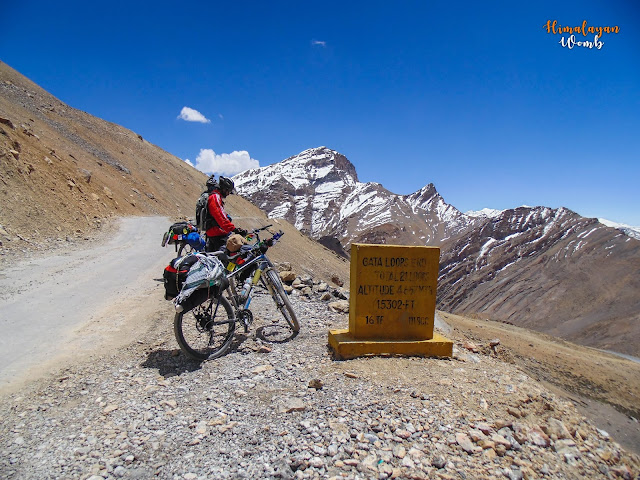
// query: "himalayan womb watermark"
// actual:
[[585, 30]]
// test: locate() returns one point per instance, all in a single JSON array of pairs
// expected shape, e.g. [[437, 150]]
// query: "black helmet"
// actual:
[[212, 184], [226, 185]]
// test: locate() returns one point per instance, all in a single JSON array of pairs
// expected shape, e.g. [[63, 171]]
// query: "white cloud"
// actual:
[[229, 164], [321, 43], [191, 115]]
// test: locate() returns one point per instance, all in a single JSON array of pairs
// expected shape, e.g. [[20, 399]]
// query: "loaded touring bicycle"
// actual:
[[213, 292]]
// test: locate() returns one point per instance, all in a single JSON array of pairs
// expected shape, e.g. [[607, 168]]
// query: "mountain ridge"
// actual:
[[313, 191], [531, 266]]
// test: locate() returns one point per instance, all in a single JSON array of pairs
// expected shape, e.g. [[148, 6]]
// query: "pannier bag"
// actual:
[[175, 275], [207, 272], [186, 278], [202, 295]]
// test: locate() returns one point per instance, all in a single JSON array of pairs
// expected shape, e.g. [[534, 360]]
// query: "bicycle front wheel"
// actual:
[[281, 299], [206, 331]]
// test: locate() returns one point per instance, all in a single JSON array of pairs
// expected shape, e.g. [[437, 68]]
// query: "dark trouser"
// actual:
[[215, 244]]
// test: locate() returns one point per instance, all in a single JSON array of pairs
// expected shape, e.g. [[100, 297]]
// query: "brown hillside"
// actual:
[[63, 172]]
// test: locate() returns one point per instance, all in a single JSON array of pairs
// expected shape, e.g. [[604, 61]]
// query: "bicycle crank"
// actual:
[[246, 317]]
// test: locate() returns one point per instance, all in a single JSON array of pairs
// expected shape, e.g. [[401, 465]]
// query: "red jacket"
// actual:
[[216, 209]]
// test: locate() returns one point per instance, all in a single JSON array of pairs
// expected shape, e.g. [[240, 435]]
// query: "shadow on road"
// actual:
[[276, 333], [169, 364]]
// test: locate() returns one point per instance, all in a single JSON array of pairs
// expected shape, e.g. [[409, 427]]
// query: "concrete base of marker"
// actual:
[[346, 346]]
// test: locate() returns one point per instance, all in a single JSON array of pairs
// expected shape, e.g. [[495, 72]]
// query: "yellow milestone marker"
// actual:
[[392, 303]]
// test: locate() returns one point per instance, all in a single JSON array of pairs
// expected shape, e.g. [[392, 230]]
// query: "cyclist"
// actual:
[[220, 224]]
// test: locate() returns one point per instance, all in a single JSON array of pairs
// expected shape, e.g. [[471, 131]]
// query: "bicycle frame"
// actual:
[[263, 263], [234, 270], [202, 334], [232, 293]]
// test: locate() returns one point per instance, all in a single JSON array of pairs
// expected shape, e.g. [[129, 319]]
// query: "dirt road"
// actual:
[[76, 303]]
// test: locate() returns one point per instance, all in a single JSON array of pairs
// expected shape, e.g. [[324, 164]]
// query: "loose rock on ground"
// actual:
[[279, 407]]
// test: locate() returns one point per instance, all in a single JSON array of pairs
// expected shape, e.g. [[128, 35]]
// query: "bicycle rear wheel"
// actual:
[[184, 249], [206, 331], [281, 299]]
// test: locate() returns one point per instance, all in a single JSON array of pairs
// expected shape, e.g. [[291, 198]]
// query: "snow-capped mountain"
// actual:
[[484, 213], [305, 189], [627, 229], [548, 269], [319, 192]]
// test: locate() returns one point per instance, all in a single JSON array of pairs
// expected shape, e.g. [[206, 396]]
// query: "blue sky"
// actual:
[[475, 97]]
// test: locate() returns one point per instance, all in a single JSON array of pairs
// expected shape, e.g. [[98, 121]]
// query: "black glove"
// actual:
[[240, 231]]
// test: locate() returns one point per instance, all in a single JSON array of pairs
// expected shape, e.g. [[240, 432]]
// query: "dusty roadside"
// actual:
[[287, 410], [77, 302], [603, 386], [124, 398]]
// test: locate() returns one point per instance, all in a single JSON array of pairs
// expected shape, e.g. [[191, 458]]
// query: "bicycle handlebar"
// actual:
[[256, 230], [263, 245]]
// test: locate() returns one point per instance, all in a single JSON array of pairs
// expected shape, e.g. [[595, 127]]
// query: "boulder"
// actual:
[[287, 276], [341, 293], [284, 267], [339, 306], [8, 123]]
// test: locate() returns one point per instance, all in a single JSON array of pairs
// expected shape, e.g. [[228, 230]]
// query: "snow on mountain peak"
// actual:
[[627, 229], [484, 213], [318, 191], [309, 168]]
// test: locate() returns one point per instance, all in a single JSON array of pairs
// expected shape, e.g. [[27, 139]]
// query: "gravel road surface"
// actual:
[[58, 307], [115, 398]]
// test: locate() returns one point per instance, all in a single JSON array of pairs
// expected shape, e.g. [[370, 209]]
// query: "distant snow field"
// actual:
[[628, 229]]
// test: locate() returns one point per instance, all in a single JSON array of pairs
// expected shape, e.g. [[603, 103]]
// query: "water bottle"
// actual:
[[245, 288]]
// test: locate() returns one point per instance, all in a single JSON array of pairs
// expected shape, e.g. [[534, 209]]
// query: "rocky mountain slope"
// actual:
[[319, 192], [64, 173], [550, 270]]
